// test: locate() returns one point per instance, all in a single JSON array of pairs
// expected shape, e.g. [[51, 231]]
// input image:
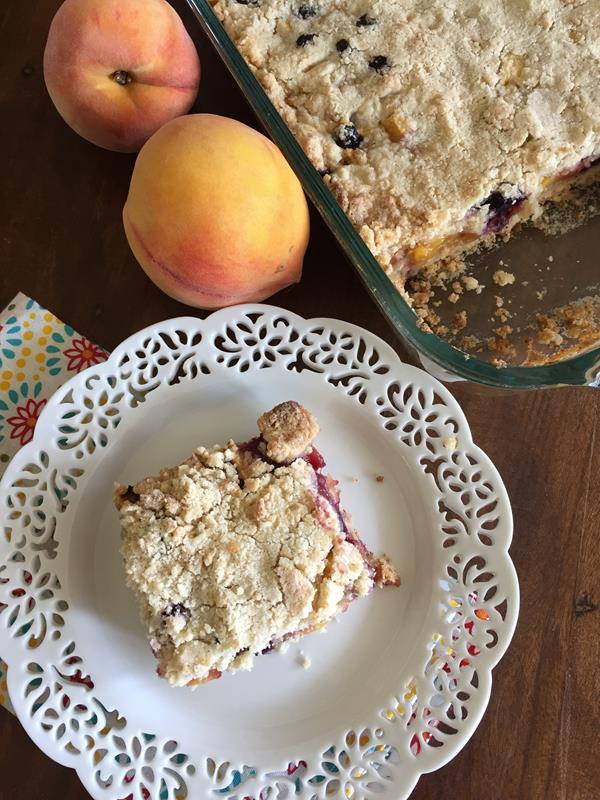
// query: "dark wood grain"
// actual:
[[62, 242]]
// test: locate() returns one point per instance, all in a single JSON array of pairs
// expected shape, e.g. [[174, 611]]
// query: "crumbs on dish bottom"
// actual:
[[561, 332]]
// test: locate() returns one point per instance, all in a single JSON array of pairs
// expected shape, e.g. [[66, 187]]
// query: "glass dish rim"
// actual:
[[581, 370]]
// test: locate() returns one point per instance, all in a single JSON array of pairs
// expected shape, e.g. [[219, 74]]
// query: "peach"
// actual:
[[215, 215], [117, 70]]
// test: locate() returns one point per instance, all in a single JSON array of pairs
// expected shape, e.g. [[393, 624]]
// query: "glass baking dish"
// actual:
[[583, 369]]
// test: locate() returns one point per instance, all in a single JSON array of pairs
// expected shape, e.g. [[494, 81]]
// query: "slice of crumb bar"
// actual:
[[241, 548]]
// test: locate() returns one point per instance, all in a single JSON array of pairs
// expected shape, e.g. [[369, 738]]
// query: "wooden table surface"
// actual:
[[62, 242]]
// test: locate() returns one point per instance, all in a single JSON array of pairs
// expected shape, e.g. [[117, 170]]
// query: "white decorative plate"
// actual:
[[396, 688]]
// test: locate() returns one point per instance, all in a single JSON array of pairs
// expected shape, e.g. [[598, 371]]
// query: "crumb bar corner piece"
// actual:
[[241, 548]]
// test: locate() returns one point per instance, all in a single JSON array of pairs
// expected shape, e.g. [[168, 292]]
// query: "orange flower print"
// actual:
[[83, 354], [25, 420]]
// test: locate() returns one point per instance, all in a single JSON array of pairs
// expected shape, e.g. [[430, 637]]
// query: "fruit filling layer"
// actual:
[[494, 215]]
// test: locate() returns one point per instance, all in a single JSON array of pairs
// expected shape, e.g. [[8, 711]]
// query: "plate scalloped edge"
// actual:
[[427, 719]]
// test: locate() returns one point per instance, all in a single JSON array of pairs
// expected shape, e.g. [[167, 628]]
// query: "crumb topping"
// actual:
[[431, 119], [288, 430]]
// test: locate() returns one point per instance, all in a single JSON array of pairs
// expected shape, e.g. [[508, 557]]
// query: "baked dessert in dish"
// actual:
[[240, 548], [438, 124]]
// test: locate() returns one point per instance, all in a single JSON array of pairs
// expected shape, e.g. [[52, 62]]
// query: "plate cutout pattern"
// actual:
[[430, 713]]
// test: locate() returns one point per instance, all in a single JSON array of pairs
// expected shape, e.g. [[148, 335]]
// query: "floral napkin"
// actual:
[[38, 353]]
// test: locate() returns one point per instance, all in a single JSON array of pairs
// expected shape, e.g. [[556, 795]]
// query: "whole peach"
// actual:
[[117, 70], [215, 215]]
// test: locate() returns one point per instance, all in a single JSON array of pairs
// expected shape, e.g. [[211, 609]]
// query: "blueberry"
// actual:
[[306, 11], [496, 201], [176, 610], [248, 2], [348, 137], [365, 21], [131, 496], [342, 45], [306, 38], [379, 63], [501, 209]]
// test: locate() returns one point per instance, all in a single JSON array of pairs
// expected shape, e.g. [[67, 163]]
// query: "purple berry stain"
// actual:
[[131, 496], [501, 209]]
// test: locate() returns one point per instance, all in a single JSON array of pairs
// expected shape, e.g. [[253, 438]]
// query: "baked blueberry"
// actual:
[[496, 201], [305, 11], [379, 63], [177, 610], [365, 21], [348, 138], [341, 45], [501, 209], [306, 38]]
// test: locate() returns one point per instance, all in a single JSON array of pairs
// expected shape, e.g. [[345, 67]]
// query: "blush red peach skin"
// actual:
[[117, 70], [215, 215]]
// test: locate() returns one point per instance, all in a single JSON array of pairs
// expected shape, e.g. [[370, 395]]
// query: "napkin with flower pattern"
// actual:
[[38, 353]]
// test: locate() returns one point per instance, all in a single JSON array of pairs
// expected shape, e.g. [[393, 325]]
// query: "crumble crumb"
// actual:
[[502, 346], [502, 314], [288, 429], [504, 331], [470, 283], [471, 342], [548, 330], [304, 660], [460, 320], [385, 573], [450, 442], [379, 478], [548, 336], [502, 278]]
